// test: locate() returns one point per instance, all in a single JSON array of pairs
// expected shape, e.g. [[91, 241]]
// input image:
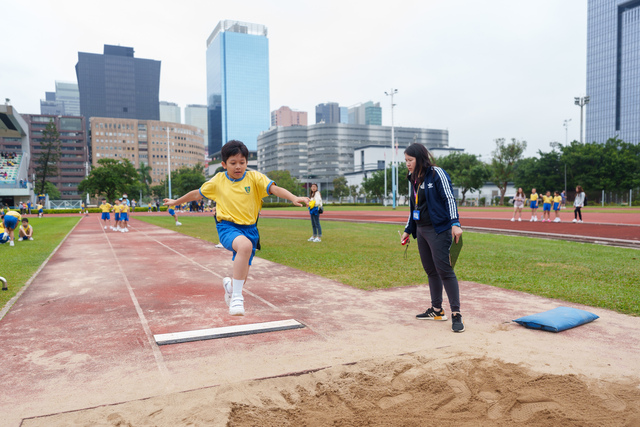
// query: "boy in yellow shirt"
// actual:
[[546, 207], [533, 205], [106, 216], [557, 204], [10, 221], [238, 194], [26, 230]]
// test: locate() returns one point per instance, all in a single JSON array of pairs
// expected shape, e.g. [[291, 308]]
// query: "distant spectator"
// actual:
[[518, 204], [578, 204], [563, 203]]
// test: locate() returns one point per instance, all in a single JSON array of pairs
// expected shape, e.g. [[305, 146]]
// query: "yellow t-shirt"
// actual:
[[26, 230], [105, 207], [124, 208], [117, 208], [237, 201], [547, 199], [16, 214], [534, 197], [39, 206], [557, 199]]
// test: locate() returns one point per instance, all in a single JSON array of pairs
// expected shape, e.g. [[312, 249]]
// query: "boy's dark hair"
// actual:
[[233, 148], [25, 219]]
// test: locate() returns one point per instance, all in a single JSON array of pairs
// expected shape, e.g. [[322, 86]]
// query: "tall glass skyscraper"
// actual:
[[237, 84], [613, 70], [117, 85]]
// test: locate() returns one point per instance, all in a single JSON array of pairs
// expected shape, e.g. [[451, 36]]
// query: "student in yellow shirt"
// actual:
[[533, 199], [40, 210], [117, 208], [106, 216], [546, 207], [557, 204], [26, 230], [124, 217], [9, 223], [238, 194]]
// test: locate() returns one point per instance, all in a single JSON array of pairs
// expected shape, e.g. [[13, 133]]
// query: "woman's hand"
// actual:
[[456, 232], [405, 236]]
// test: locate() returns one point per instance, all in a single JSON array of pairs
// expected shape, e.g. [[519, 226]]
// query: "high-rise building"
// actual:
[[72, 166], [328, 113], [117, 85], [285, 116], [65, 101], [196, 115], [237, 83], [145, 141], [613, 75], [344, 115], [170, 112], [366, 113]]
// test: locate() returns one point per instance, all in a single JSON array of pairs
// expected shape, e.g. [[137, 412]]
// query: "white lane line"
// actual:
[[227, 331], [162, 367]]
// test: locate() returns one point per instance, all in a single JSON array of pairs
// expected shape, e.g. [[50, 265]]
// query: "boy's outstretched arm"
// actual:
[[286, 194], [189, 197]]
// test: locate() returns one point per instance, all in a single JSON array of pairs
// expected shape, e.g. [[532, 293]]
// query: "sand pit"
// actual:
[[413, 389]]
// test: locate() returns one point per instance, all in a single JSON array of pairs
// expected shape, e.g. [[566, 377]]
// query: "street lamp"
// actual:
[[394, 180], [566, 131], [581, 101]]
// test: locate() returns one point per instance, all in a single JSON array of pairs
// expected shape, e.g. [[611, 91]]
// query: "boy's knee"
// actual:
[[242, 245]]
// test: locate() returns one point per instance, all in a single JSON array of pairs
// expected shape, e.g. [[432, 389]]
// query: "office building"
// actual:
[[145, 141], [613, 75], [196, 115], [170, 112], [367, 113], [72, 165], [344, 115], [65, 101], [328, 113], [237, 84], [285, 116], [118, 85], [322, 152]]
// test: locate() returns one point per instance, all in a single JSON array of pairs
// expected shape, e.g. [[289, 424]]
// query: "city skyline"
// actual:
[[483, 71]]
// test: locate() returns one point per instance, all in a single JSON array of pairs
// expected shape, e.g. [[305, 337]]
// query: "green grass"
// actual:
[[368, 256], [20, 262]]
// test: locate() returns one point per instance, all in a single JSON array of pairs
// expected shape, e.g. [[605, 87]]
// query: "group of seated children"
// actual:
[[8, 225], [548, 201], [120, 212]]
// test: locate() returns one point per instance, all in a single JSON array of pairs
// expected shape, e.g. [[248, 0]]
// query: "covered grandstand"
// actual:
[[14, 158]]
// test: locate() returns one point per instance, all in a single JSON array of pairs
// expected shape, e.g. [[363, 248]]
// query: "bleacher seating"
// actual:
[[9, 167]]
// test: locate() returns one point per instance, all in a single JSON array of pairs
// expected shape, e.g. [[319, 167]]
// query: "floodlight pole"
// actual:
[[581, 101], [169, 164], [394, 181]]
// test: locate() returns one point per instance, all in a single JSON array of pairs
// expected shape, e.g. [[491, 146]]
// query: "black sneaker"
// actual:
[[456, 323], [431, 314]]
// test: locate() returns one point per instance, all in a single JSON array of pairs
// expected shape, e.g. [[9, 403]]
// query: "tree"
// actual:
[[467, 172], [545, 173], [503, 162], [52, 191], [340, 188], [144, 176], [187, 179], [111, 178], [373, 185], [283, 179], [353, 192], [47, 161], [159, 191]]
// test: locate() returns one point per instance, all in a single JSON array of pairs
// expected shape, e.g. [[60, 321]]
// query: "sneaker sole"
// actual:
[[441, 318], [236, 312], [458, 331]]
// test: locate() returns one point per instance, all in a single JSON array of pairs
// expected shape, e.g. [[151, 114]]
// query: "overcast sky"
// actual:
[[481, 69]]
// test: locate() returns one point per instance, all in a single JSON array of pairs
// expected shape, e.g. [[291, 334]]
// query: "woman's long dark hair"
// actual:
[[424, 160], [311, 192]]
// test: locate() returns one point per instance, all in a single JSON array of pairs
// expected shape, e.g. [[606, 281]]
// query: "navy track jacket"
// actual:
[[441, 205]]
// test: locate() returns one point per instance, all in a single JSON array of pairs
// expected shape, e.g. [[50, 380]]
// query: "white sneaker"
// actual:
[[311, 239], [531, 220], [178, 223], [105, 227], [219, 246], [513, 219], [12, 243], [30, 238], [124, 230], [519, 219], [317, 239], [556, 220], [228, 289], [236, 306], [580, 221], [575, 220]]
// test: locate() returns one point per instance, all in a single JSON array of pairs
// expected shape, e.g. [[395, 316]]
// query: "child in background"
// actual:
[[518, 204], [40, 210], [173, 213], [124, 217], [533, 205], [26, 230], [547, 200], [238, 194], [557, 205], [10, 222], [116, 215]]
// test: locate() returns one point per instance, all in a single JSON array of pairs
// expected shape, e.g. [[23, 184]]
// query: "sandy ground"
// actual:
[[75, 352]]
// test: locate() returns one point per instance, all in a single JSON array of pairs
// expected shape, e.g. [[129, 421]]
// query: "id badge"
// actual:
[[416, 215]]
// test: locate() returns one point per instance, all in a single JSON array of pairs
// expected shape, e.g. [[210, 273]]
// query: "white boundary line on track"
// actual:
[[12, 301], [157, 354]]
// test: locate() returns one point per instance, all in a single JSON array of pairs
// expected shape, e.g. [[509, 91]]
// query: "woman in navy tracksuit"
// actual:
[[434, 222]]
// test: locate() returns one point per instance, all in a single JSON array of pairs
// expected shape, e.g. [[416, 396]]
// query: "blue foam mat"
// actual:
[[557, 319]]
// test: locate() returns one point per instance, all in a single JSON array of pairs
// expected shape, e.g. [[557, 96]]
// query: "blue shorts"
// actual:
[[171, 212], [228, 231], [534, 205], [105, 215], [556, 206], [40, 211], [10, 222], [546, 207], [124, 216], [117, 216]]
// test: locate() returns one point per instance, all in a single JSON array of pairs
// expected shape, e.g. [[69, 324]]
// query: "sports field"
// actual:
[[78, 347]]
